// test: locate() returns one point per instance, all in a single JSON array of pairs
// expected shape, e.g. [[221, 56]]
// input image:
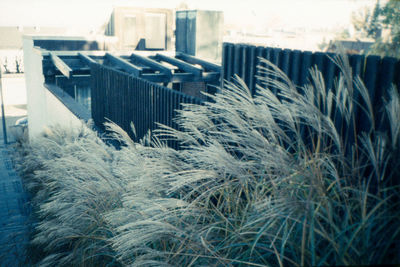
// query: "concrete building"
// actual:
[[11, 45], [141, 28], [11, 37], [199, 33]]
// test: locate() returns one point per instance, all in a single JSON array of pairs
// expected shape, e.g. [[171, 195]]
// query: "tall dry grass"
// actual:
[[70, 176], [276, 179]]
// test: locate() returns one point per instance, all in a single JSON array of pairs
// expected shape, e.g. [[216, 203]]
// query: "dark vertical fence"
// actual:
[[123, 99], [378, 74]]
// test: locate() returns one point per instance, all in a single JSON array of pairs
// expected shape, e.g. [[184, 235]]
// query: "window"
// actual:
[[129, 37], [155, 30]]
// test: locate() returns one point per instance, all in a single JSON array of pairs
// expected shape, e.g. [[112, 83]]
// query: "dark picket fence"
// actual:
[[377, 73], [123, 99]]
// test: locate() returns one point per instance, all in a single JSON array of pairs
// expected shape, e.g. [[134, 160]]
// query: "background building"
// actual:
[[141, 28]]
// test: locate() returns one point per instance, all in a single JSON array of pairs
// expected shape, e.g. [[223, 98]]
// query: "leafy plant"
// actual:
[[372, 24]]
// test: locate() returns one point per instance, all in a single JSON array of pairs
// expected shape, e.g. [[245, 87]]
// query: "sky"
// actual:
[[90, 14]]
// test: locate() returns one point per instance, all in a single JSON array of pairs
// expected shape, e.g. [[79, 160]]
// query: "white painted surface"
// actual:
[[36, 100], [58, 114], [130, 34], [209, 33], [14, 89], [44, 109], [155, 30]]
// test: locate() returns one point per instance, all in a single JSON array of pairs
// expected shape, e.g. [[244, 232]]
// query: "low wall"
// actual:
[[58, 114], [45, 106]]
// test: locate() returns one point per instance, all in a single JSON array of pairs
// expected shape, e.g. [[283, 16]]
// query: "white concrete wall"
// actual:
[[35, 91], [44, 109], [58, 114], [14, 89]]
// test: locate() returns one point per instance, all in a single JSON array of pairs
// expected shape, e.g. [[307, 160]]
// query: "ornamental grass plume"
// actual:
[[284, 177], [69, 174], [280, 178]]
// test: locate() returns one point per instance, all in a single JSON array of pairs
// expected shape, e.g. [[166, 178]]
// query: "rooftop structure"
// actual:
[[141, 28], [63, 81]]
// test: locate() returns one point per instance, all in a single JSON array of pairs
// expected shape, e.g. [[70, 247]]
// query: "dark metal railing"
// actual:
[[123, 98]]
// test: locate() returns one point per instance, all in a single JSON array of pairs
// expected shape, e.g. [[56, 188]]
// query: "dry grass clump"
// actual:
[[275, 179], [281, 178], [71, 179]]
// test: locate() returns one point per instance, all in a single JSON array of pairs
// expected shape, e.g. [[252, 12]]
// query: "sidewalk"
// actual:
[[14, 210]]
